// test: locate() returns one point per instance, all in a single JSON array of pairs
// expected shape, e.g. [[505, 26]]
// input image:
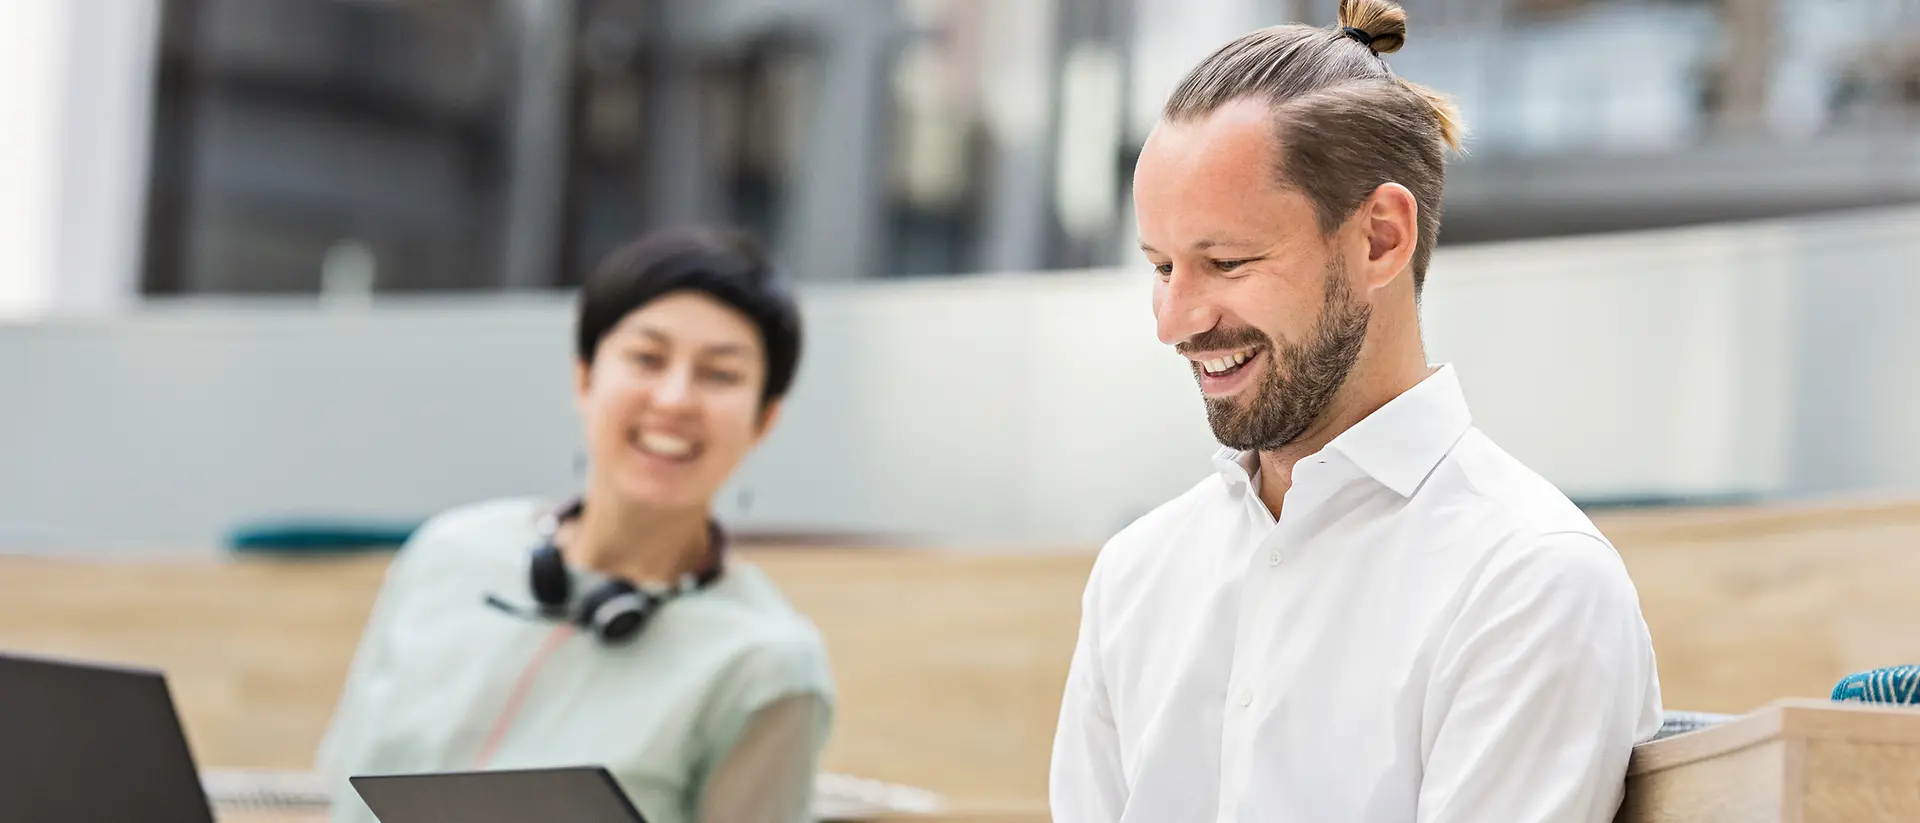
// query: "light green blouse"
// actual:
[[724, 699]]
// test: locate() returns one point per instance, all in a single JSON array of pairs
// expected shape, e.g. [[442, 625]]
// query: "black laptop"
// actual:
[[87, 743], [576, 794]]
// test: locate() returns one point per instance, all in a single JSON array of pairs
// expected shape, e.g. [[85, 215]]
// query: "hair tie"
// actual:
[[1359, 35]]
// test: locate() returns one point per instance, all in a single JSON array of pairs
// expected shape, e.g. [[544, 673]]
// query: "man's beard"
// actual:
[[1289, 399]]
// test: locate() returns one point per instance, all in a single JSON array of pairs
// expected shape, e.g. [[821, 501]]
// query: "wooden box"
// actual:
[[1793, 761]]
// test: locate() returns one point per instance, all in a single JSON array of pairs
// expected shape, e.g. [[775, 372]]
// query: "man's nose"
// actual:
[[1181, 308]]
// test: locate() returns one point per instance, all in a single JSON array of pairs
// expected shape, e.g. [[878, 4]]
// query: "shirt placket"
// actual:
[[1256, 669], [1251, 661]]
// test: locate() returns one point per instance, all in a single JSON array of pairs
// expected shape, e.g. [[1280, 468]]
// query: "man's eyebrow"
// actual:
[[1202, 244]]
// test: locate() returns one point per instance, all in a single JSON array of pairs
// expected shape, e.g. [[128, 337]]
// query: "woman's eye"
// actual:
[[724, 377], [649, 360], [1164, 269]]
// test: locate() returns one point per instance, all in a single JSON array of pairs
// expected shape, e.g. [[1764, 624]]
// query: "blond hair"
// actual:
[[1345, 122]]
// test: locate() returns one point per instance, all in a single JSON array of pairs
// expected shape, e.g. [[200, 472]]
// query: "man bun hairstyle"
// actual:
[[1380, 26], [1346, 124], [722, 263]]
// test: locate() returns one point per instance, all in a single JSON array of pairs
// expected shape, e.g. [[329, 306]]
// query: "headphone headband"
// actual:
[[616, 609]]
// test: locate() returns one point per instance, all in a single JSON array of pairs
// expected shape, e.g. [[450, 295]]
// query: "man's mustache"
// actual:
[[1221, 339]]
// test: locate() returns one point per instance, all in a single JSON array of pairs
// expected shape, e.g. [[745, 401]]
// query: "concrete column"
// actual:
[[1020, 64], [76, 86], [537, 160], [838, 208], [33, 51], [1748, 68]]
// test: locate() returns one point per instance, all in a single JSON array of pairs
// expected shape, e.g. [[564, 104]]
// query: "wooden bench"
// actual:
[[950, 665]]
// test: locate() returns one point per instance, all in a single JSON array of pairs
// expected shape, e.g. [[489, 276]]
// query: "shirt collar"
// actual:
[[1236, 466], [1398, 445]]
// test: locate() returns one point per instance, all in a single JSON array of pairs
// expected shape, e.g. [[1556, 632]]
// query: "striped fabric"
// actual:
[[1676, 722], [1894, 684]]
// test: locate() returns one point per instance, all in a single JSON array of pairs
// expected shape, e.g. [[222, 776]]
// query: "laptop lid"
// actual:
[[577, 794], [86, 742]]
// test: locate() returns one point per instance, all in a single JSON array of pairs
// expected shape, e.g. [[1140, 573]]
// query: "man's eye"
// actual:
[[1229, 265], [1164, 269]]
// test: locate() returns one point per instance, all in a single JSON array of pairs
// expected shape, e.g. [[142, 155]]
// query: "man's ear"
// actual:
[[1387, 231]]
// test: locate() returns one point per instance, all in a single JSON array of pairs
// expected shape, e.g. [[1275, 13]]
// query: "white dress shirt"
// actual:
[[1431, 632]]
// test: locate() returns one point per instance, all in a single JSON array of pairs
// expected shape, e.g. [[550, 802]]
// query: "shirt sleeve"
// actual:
[[1542, 687], [767, 776], [1087, 783]]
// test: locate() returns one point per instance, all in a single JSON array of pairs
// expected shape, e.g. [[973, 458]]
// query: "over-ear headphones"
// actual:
[[616, 609]]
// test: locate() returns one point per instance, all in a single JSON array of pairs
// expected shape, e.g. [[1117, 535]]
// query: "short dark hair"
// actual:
[[1346, 123], [722, 263]]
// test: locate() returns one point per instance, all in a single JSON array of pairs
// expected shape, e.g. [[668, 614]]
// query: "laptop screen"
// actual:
[[84, 742], [582, 794]]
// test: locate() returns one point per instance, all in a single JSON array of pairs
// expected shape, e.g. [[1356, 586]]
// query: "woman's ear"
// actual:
[[582, 377], [769, 415]]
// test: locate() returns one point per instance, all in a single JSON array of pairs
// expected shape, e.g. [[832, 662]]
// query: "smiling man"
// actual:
[[1369, 613]]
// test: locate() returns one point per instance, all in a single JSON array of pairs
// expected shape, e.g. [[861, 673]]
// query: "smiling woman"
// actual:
[[612, 629]]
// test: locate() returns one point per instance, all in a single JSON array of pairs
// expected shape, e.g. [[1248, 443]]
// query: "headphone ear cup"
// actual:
[[547, 576], [616, 610]]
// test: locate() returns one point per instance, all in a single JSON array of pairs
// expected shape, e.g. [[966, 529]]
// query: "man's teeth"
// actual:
[[665, 445], [1218, 365]]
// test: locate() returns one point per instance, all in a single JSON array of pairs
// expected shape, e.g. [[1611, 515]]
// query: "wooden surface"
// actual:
[[1849, 782], [1747, 606], [1702, 792], [255, 652], [1794, 761], [950, 666], [1805, 719]]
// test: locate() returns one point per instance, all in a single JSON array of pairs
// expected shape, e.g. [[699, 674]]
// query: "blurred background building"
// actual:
[[262, 258]]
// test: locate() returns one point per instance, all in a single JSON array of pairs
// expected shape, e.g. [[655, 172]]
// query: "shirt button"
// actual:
[[1244, 698], [1273, 557]]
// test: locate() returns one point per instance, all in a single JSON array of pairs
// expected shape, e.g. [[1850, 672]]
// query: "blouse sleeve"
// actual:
[[768, 723], [767, 775]]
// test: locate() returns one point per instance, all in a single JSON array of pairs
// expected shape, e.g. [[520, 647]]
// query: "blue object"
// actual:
[[318, 537], [1894, 684]]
